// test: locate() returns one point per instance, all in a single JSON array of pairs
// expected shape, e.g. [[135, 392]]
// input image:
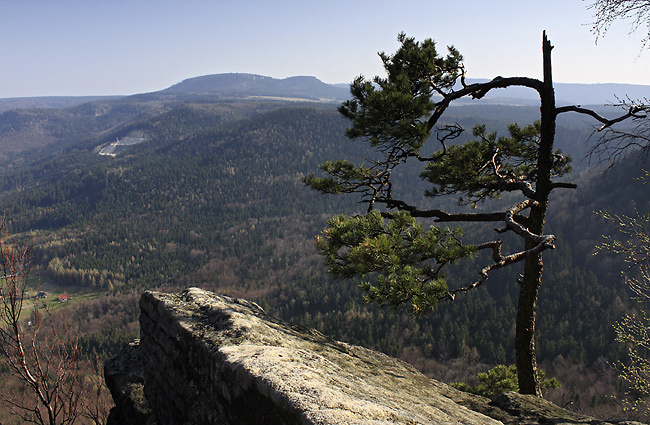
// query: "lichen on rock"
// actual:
[[210, 359]]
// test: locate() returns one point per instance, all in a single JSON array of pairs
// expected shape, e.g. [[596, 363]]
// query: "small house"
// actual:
[[64, 297], [41, 295]]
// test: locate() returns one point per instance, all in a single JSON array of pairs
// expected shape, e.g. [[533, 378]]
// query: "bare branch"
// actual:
[[563, 185], [43, 359], [510, 259], [608, 11], [543, 242], [450, 132], [633, 112], [440, 215], [615, 143]]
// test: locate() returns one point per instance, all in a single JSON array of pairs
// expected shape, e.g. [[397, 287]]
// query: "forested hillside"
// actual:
[[215, 199]]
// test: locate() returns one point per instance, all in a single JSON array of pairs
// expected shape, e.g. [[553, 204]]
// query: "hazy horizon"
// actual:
[[77, 48]]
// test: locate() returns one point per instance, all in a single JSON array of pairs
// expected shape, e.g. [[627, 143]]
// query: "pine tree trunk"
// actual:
[[526, 359], [525, 328]]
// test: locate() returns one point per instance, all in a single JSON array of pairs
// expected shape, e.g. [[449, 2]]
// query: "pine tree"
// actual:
[[402, 261]]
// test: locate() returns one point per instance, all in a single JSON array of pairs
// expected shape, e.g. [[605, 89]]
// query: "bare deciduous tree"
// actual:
[[40, 349], [634, 329], [613, 143], [637, 12]]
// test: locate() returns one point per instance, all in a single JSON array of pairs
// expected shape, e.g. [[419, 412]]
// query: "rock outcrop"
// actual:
[[209, 359], [124, 377]]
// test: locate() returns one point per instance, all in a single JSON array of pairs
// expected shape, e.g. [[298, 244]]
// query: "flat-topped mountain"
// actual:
[[302, 87], [244, 85]]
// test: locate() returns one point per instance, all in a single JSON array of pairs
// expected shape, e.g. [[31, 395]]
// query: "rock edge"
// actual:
[[208, 359]]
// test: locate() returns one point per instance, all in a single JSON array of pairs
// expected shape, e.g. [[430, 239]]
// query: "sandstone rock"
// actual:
[[222, 360], [124, 379], [209, 359], [528, 409]]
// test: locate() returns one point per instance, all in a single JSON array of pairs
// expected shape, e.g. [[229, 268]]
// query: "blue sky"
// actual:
[[86, 47]]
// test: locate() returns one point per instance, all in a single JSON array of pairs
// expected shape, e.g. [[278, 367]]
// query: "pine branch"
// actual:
[[478, 90], [544, 242]]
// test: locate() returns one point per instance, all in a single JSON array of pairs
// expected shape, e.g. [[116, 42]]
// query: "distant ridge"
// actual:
[[49, 102], [599, 93], [228, 85], [308, 88], [311, 88]]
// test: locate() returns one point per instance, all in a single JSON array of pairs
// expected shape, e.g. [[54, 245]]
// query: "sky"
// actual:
[[121, 47]]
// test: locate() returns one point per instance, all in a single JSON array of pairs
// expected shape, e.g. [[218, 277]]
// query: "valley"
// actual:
[[212, 196]]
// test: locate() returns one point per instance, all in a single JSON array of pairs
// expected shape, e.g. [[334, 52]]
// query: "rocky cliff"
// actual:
[[209, 359]]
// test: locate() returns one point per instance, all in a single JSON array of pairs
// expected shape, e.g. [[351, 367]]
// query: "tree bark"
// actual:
[[526, 359]]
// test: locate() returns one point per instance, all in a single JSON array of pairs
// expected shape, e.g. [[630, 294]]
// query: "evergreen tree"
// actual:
[[403, 261]]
